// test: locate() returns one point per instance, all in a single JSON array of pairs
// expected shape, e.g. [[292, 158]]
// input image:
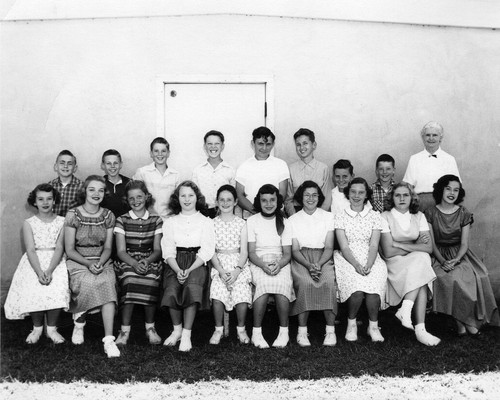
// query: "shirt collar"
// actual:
[[114, 184], [353, 214], [437, 153], [222, 164], [151, 167], [310, 164], [377, 183], [134, 216]]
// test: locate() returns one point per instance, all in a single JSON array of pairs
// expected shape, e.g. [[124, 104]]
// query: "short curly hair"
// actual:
[[299, 194], [175, 205], [358, 181], [82, 194], [414, 203], [444, 181], [138, 184], [43, 187]]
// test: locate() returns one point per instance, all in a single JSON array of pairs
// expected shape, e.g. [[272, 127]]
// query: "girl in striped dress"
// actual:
[[138, 242]]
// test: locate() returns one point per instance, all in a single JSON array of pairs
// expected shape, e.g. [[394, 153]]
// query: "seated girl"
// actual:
[[231, 276], [462, 289], [361, 273], [39, 287], [88, 238], [138, 235], [269, 251], [406, 245], [188, 243], [312, 231]]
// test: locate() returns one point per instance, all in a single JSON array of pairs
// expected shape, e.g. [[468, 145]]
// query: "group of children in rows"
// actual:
[[157, 235]]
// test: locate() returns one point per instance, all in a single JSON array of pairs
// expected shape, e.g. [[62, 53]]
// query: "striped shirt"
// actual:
[[139, 232]]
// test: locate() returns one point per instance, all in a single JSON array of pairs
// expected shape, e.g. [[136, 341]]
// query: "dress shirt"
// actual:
[[424, 170], [210, 179], [160, 185]]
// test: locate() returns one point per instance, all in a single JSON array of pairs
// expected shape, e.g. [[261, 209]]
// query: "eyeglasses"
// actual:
[[311, 196]]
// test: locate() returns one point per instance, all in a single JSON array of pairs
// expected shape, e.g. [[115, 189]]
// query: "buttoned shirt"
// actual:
[[381, 197], [210, 179], [160, 185], [424, 169], [69, 194], [300, 172], [193, 230]]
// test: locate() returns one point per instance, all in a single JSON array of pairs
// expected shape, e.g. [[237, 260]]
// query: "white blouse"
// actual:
[[404, 221], [263, 232], [311, 230], [194, 230]]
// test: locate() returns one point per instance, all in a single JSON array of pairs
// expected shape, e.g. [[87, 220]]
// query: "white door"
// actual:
[[193, 109]]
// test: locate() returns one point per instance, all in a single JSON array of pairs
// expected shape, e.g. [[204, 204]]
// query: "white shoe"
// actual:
[[302, 340], [122, 338], [352, 333], [282, 340], [34, 336], [185, 344], [330, 339], [405, 319], [77, 336], [215, 339], [375, 334], [153, 336], [55, 336], [243, 337], [426, 338], [173, 339], [259, 341], [110, 347]]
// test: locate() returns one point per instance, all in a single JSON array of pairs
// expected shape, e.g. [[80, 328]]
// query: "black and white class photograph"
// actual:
[[250, 200]]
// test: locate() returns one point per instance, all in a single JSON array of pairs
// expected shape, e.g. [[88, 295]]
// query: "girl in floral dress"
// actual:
[[361, 273], [231, 277], [40, 284]]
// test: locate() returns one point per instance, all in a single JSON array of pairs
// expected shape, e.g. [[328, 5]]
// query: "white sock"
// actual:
[[219, 328], [351, 322], [149, 325], [257, 331], [330, 329], [303, 330], [373, 324], [125, 328], [420, 328], [109, 338], [284, 329], [240, 329], [50, 328], [186, 333], [407, 306], [178, 328]]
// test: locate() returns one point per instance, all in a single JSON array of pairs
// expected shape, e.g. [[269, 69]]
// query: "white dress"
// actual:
[[227, 246], [26, 293], [358, 228]]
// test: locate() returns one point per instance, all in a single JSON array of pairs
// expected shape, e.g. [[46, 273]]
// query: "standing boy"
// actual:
[[260, 169], [307, 169], [111, 164], [214, 172], [160, 180], [67, 184], [385, 167], [343, 173]]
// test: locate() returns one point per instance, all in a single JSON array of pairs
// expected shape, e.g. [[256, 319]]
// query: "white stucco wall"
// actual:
[[364, 87]]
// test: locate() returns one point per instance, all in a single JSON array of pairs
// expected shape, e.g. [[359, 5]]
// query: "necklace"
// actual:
[[91, 213]]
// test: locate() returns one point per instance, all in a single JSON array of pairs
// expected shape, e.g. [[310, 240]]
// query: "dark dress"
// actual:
[[139, 236], [465, 293]]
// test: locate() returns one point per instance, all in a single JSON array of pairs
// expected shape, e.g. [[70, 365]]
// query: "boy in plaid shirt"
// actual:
[[67, 184], [385, 167]]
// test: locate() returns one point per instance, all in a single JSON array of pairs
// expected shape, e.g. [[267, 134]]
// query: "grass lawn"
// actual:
[[399, 355]]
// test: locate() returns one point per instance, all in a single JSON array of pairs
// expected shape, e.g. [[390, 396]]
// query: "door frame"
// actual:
[[162, 80]]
